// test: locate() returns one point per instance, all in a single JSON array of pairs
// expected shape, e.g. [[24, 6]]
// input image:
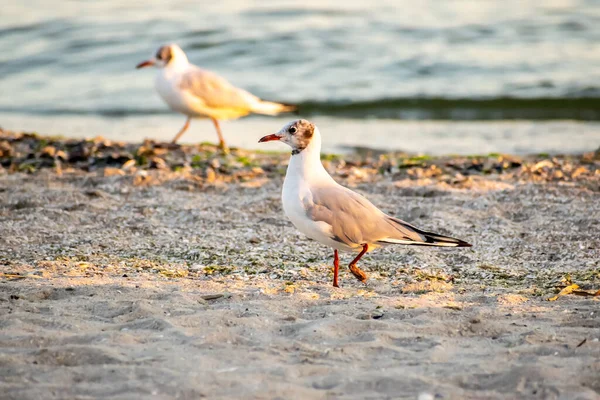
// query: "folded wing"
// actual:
[[354, 221], [215, 92]]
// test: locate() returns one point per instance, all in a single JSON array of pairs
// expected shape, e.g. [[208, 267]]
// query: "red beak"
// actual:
[[270, 138], [147, 63]]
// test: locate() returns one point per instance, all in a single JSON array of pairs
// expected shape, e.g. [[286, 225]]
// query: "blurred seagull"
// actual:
[[336, 216], [196, 92]]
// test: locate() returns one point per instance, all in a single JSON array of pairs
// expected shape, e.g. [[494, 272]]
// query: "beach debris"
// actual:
[[568, 288], [587, 293], [211, 176], [97, 193], [453, 306], [213, 296], [582, 170], [172, 273], [541, 165], [129, 164], [573, 288], [30, 153], [426, 286], [110, 171], [12, 277]]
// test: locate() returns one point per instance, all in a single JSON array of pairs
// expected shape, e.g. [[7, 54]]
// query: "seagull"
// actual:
[[196, 92], [336, 216]]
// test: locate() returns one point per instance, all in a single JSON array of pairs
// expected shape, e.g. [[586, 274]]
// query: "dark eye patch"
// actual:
[[164, 54], [305, 131]]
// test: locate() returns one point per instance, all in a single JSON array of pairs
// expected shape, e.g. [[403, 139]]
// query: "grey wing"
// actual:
[[354, 220], [216, 91]]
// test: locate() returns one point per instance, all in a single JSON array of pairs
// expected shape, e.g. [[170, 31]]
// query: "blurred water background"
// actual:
[[434, 77]]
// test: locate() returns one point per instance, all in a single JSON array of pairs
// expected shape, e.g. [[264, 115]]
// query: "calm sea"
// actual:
[[426, 76]]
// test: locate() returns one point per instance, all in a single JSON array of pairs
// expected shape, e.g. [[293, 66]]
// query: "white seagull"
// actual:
[[333, 215], [196, 92]]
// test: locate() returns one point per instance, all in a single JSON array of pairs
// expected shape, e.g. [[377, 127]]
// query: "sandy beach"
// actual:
[[135, 271]]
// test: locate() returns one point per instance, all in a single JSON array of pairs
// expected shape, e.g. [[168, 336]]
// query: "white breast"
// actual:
[[296, 193], [167, 86]]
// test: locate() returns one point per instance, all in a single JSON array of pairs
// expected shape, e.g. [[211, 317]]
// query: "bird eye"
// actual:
[[292, 130]]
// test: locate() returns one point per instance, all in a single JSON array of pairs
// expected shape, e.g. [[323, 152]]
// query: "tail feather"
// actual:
[[271, 108], [422, 238]]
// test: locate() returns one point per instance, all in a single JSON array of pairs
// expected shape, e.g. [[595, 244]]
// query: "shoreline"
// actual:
[[517, 137], [29, 152]]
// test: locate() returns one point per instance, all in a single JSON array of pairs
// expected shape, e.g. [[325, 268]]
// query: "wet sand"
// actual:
[[148, 280]]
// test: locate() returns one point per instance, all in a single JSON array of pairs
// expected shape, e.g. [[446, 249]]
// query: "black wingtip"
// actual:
[[462, 243], [430, 238], [442, 240]]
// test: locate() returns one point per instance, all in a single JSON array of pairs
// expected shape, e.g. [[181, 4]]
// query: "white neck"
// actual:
[[307, 164], [178, 63]]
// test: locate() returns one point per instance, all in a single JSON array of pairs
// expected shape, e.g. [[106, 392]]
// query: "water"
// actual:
[[428, 76]]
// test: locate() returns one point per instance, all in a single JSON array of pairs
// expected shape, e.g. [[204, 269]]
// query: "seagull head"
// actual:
[[167, 55], [298, 134]]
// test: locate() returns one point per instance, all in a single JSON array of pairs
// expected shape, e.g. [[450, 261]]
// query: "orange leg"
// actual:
[[357, 272], [336, 268], [182, 130], [222, 144]]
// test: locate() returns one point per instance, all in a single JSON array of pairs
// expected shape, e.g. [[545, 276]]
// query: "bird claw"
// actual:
[[358, 273], [224, 149]]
